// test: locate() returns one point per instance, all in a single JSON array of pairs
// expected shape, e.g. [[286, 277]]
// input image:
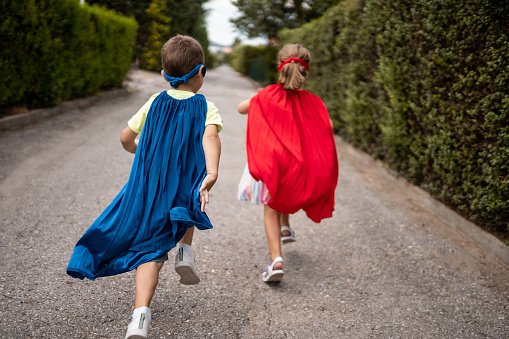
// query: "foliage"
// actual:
[[55, 50], [257, 62], [422, 85], [159, 29], [186, 18], [129, 8], [266, 17], [126, 7]]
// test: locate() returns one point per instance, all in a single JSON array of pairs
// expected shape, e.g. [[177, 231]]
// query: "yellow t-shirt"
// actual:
[[138, 120]]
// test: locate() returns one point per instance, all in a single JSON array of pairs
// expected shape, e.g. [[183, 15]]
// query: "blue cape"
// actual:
[[159, 201]]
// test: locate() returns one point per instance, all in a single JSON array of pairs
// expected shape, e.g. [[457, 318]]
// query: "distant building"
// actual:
[[216, 48]]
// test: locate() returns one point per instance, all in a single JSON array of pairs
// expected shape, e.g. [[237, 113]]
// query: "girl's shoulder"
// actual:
[[308, 94], [279, 87], [271, 90]]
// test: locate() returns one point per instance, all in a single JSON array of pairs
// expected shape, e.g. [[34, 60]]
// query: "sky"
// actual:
[[219, 28]]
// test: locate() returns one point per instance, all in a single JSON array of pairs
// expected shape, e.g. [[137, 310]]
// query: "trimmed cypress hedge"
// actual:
[[423, 86], [55, 50]]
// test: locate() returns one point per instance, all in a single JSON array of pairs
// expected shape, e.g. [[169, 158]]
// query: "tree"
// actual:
[[264, 18], [187, 18], [158, 33], [126, 7], [137, 9]]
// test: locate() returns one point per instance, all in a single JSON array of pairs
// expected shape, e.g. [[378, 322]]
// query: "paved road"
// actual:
[[382, 267]]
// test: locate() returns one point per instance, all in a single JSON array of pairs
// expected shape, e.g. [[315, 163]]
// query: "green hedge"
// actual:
[[423, 86], [55, 50], [257, 62]]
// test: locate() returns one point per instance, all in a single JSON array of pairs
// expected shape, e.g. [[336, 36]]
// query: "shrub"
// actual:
[[423, 86], [257, 62], [55, 50]]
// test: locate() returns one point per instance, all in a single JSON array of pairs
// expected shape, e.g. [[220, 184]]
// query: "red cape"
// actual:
[[291, 148]]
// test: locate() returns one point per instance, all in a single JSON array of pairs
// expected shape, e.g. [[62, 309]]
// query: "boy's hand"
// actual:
[[212, 151], [206, 185]]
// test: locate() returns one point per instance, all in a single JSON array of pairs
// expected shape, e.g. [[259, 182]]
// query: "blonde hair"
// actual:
[[293, 74]]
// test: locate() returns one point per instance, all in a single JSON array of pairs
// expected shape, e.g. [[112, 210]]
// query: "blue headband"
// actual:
[[175, 81]]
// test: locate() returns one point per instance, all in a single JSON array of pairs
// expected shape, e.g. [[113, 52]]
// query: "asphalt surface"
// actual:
[[383, 267]]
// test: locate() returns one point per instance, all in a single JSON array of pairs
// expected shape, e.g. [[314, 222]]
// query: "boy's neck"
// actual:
[[185, 87]]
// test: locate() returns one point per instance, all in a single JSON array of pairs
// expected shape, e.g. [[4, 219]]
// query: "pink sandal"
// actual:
[[269, 274]]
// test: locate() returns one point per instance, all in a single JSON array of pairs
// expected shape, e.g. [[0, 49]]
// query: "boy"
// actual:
[[175, 166]]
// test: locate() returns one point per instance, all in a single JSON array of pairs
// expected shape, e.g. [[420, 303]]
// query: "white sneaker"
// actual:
[[138, 328], [184, 266]]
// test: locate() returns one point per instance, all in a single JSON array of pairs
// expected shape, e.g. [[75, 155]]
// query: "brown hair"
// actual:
[[180, 55], [293, 74]]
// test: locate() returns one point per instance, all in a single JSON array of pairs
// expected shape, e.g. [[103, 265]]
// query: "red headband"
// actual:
[[292, 59]]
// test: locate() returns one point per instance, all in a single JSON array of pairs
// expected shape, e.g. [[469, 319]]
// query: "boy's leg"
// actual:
[[184, 261], [147, 276], [273, 232], [188, 237]]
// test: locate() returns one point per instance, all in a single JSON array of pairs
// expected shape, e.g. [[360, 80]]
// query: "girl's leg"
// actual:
[[273, 232], [284, 219], [147, 276]]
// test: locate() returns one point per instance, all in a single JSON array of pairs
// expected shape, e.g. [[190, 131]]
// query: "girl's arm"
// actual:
[[212, 149], [128, 140], [244, 106]]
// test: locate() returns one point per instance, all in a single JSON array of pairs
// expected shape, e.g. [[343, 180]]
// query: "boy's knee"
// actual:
[[159, 265], [151, 265]]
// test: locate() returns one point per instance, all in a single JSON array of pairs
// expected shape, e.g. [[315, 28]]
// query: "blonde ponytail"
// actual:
[[293, 75]]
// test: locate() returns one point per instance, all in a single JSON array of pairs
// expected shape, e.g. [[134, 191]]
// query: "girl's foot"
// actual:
[[287, 235], [274, 271]]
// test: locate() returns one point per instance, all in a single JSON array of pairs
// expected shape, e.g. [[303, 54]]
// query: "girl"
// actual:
[[291, 154]]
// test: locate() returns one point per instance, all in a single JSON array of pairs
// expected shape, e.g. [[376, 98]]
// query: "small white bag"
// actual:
[[252, 190]]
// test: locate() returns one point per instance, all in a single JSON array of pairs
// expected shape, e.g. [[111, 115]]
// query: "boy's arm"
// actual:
[[212, 150], [244, 106], [128, 140]]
